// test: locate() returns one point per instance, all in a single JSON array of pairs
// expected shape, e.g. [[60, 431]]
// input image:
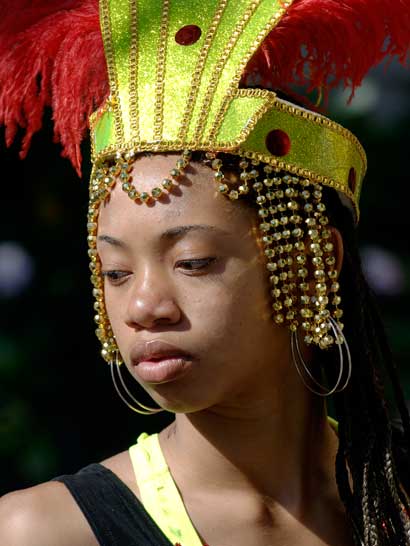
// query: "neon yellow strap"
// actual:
[[158, 491]]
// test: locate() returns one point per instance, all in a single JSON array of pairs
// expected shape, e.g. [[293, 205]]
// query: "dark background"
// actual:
[[58, 408]]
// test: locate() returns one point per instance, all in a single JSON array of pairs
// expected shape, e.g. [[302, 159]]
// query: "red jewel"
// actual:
[[188, 35], [278, 142], [352, 180]]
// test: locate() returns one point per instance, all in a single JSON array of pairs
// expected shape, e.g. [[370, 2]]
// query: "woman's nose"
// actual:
[[151, 303]]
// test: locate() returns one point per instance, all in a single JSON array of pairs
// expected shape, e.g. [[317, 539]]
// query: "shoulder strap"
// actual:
[[115, 514]]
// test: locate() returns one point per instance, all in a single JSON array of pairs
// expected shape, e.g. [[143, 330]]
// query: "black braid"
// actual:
[[378, 505]]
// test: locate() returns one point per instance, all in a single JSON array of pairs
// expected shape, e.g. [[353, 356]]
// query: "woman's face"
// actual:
[[188, 271]]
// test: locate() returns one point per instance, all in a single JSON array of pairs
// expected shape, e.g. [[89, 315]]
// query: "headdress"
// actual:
[[173, 76]]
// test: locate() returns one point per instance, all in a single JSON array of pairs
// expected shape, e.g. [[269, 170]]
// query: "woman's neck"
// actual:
[[285, 453]]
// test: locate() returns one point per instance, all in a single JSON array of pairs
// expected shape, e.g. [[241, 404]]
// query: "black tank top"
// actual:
[[115, 514]]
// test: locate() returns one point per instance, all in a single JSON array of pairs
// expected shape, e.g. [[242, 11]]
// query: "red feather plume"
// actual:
[[320, 44], [51, 55]]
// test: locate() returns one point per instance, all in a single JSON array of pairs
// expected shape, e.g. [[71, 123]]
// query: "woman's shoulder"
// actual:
[[47, 514], [121, 465], [43, 515]]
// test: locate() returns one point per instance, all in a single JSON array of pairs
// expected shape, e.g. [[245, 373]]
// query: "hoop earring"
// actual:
[[145, 409], [303, 369]]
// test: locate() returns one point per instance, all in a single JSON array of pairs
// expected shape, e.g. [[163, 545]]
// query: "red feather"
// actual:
[[320, 44], [51, 55]]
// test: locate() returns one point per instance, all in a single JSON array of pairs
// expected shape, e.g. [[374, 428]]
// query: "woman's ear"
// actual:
[[338, 248]]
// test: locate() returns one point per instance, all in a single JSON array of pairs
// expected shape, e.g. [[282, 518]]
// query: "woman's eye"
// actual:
[[196, 264], [114, 276]]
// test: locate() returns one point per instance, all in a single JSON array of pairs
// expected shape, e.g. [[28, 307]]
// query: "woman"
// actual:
[[226, 278]]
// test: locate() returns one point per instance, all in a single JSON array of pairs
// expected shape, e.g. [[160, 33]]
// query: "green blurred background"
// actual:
[[58, 408]]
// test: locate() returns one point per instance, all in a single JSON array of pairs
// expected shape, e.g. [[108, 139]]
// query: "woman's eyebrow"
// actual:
[[112, 241], [168, 235], [178, 232]]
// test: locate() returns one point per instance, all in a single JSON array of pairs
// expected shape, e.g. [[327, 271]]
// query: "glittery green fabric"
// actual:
[[166, 96]]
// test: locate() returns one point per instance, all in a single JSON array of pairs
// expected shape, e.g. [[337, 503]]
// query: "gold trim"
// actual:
[[213, 82], [133, 64], [160, 82], [196, 79], [235, 82], [112, 73], [270, 97], [277, 103]]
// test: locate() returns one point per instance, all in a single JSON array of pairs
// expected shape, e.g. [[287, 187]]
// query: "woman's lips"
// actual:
[[158, 361], [163, 369]]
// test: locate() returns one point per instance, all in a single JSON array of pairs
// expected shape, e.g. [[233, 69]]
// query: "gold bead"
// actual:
[[243, 189], [167, 184], [320, 288], [144, 196], [156, 192], [319, 274]]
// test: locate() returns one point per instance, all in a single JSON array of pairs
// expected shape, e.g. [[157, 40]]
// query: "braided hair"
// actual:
[[370, 447]]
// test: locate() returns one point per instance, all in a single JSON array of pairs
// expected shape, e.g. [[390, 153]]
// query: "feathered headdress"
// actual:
[[52, 55]]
